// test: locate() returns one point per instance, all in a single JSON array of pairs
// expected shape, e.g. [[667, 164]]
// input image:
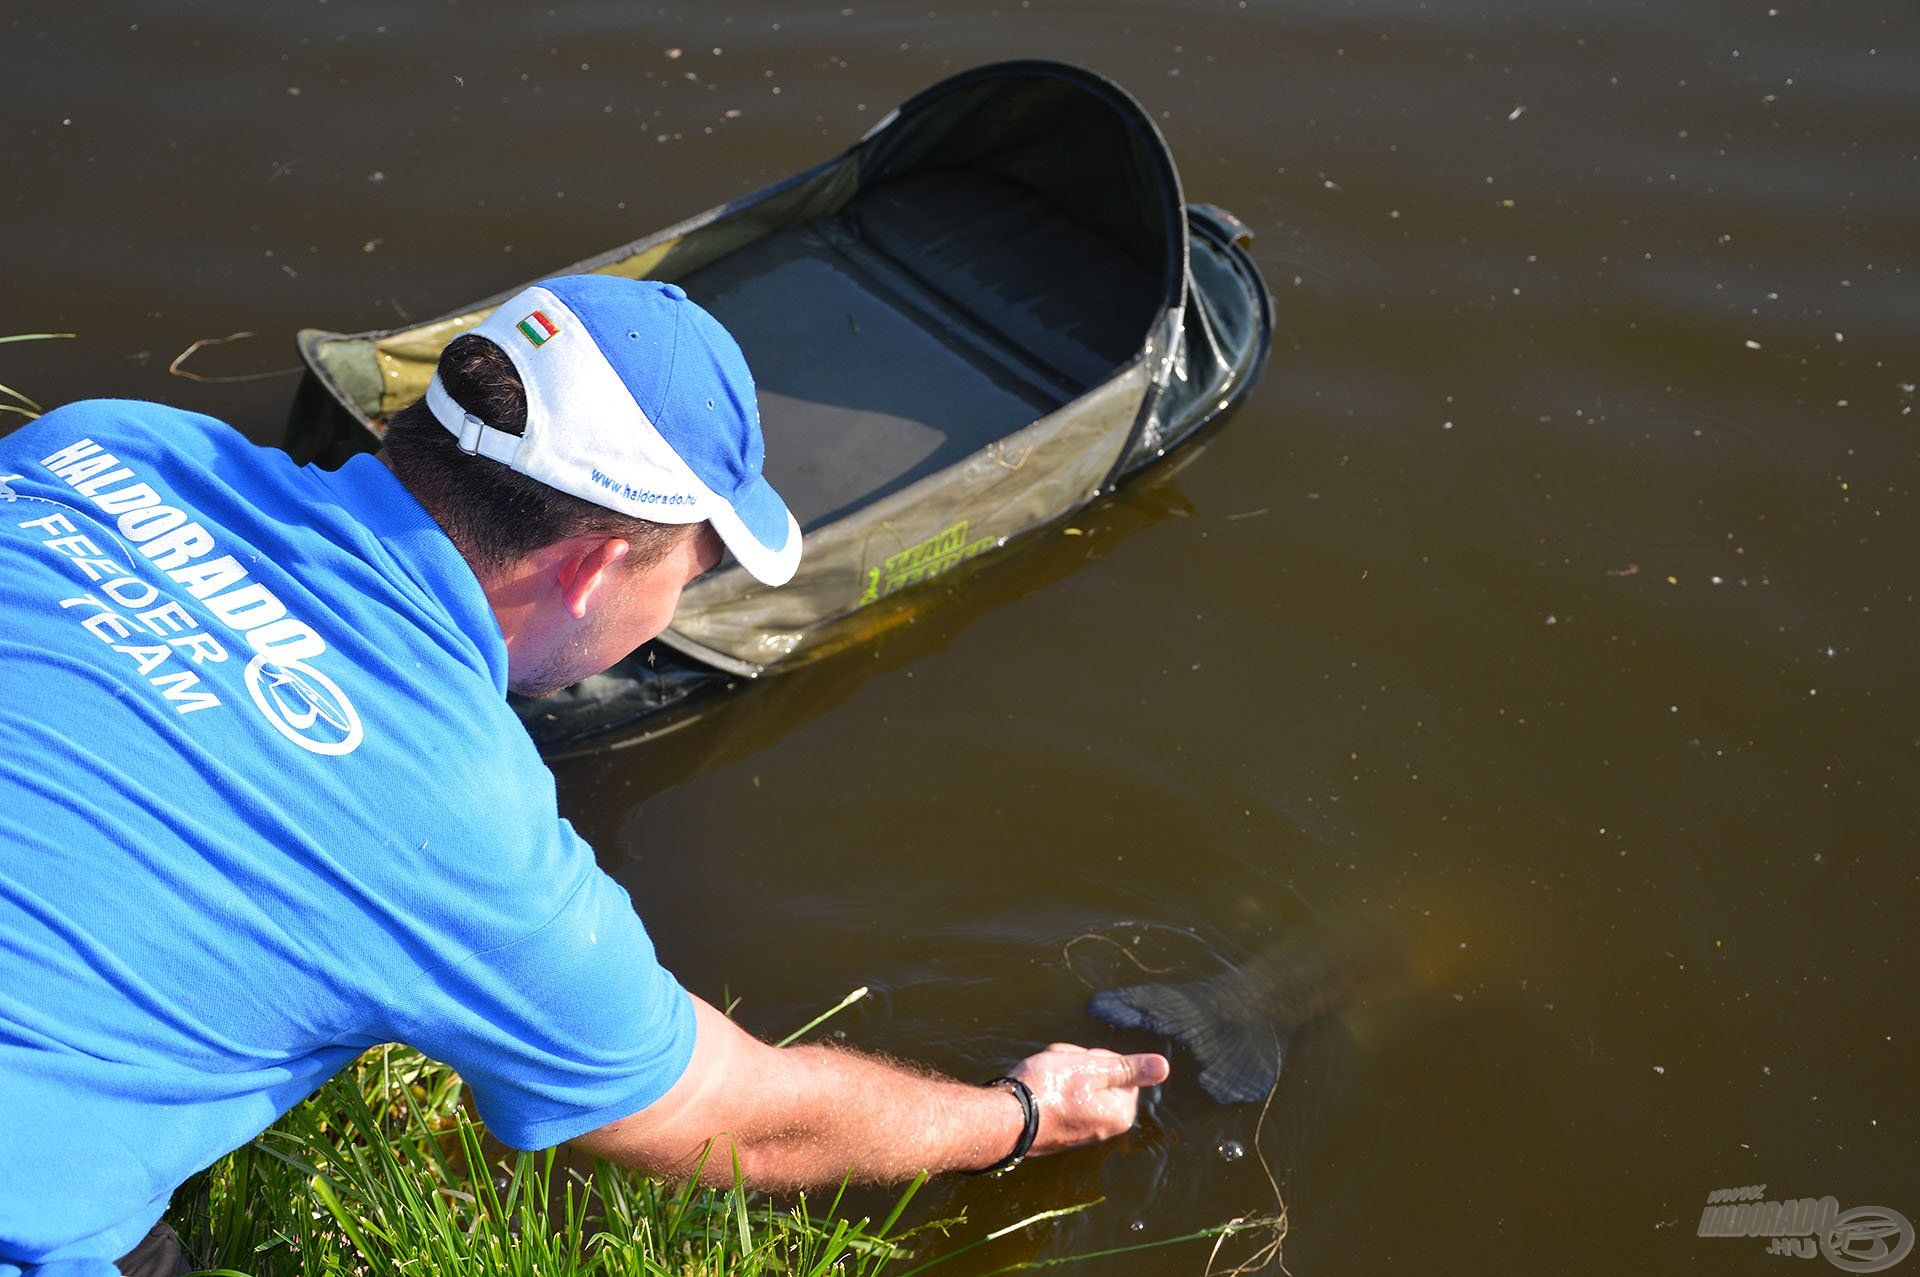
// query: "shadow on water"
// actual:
[[745, 717], [946, 999]]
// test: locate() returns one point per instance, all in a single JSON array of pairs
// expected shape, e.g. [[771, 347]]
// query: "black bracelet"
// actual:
[[1031, 1127]]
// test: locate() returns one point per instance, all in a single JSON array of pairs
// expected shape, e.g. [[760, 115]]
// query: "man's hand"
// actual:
[[1086, 1095]]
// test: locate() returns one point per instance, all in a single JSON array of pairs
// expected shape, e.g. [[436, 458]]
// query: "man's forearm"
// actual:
[[816, 1115], [827, 1113]]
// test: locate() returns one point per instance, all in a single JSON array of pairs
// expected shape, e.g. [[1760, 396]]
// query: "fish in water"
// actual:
[[1239, 1024]]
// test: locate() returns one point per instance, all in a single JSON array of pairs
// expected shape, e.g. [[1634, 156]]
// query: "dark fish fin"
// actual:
[[1239, 1062], [1242, 1063], [1157, 1008]]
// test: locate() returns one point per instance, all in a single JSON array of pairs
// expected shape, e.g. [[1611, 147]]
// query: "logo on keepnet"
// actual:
[[945, 549], [304, 705], [1866, 1239], [537, 328]]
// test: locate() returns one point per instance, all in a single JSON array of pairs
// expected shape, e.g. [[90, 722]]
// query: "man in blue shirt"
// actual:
[[268, 702]]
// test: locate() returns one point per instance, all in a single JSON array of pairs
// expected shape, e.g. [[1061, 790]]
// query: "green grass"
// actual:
[[384, 1171]]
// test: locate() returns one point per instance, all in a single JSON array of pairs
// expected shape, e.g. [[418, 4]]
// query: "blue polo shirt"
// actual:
[[263, 805]]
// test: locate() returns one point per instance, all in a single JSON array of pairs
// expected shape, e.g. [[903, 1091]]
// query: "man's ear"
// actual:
[[586, 570]]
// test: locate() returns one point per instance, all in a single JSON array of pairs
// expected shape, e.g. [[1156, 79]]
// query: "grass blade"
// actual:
[[823, 1017], [1218, 1230]]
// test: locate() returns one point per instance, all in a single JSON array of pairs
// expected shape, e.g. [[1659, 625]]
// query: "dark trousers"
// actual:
[[159, 1254]]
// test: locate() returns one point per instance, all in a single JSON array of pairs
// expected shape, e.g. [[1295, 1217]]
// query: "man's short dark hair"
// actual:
[[496, 515]]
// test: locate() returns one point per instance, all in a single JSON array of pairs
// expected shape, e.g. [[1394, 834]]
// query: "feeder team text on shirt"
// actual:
[[293, 695]]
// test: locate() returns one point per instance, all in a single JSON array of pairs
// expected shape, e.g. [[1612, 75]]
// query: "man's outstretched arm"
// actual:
[[813, 1115]]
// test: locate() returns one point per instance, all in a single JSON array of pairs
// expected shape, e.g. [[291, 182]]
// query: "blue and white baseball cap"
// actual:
[[639, 401]]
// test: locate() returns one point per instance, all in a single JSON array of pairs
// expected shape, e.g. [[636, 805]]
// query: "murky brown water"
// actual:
[[1552, 600]]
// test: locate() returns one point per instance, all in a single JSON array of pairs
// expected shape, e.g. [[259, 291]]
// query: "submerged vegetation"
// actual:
[[383, 1170]]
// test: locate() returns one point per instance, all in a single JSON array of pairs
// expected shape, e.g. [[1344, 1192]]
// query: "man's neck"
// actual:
[[491, 584]]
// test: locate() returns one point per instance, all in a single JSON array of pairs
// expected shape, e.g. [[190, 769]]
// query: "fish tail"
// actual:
[[1239, 1061]]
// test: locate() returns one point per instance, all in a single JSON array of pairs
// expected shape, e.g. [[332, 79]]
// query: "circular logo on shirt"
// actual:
[[304, 705]]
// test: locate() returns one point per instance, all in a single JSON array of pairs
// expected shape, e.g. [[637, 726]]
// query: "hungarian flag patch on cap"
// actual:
[[536, 328]]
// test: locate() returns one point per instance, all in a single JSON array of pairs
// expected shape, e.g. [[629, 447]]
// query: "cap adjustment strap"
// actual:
[[475, 437], [479, 438]]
